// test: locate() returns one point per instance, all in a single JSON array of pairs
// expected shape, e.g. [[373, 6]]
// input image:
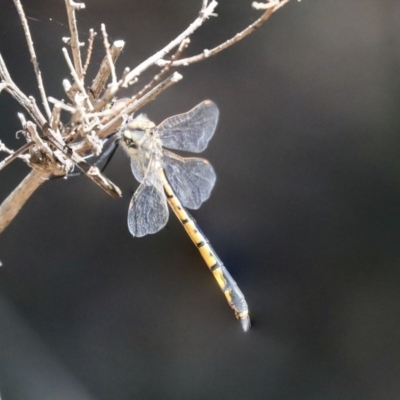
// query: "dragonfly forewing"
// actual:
[[190, 131]]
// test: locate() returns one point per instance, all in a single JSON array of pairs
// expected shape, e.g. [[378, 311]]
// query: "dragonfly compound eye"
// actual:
[[133, 136]]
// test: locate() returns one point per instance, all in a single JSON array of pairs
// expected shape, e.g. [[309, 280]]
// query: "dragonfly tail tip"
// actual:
[[245, 321]]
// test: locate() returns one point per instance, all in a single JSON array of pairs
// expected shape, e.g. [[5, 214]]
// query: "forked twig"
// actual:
[[78, 80], [104, 72], [238, 37], [52, 136], [130, 77], [204, 14], [185, 43], [15, 155], [94, 115], [5, 149]]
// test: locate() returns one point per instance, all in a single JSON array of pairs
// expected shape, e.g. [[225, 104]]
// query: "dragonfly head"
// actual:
[[135, 130], [140, 123]]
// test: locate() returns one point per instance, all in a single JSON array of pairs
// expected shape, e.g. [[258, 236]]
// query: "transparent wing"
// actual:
[[148, 211], [192, 179], [139, 166], [190, 131]]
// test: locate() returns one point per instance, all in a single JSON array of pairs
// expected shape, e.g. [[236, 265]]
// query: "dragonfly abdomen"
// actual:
[[229, 287]]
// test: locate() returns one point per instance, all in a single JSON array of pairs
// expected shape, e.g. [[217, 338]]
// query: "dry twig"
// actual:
[[92, 35], [185, 43], [32, 52], [15, 154], [94, 118], [30, 105], [235, 39], [19, 196], [104, 72], [108, 55], [75, 45], [205, 13]]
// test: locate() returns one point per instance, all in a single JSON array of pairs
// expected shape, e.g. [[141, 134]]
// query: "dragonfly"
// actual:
[[182, 182]]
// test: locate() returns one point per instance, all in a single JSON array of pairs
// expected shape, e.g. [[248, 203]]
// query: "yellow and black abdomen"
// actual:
[[225, 281]]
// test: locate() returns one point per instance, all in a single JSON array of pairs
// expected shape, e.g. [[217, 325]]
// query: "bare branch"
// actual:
[[75, 45], [89, 51], [4, 148], [92, 172], [239, 36], [185, 43], [74, 72], [34, 60], [204, 14], [15, 201], [19, 96], [108, 54], [53, 137], [281, 4], [42, 157], [132, 75], [266, 5], [77, 79], [55, 116], [15, 155], [44, 147], [269, 4], [104, 71], [61, 104], [93, 118], [66, 84]]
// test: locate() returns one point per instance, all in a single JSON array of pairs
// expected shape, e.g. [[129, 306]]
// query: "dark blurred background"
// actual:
[[305, 215]]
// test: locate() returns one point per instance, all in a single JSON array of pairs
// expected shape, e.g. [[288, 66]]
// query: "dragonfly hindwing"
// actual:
[[192, 179], [148, 211]]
